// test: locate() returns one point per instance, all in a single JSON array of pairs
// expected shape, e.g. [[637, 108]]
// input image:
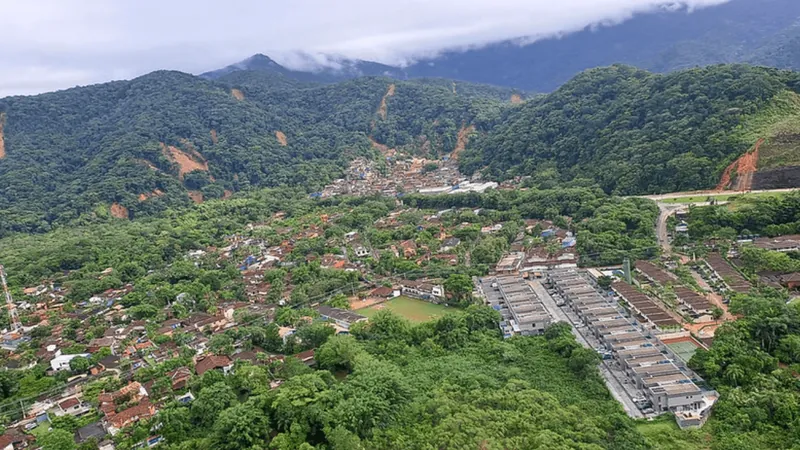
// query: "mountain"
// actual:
[[761, 32], [331, 71], [133, 148], [637, 132], [765, 32]]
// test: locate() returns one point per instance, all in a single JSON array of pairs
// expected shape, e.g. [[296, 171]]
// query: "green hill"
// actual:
[[635, 132], [140, 146]]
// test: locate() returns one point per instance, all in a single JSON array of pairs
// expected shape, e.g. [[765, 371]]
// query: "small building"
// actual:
[[61, 362], [92, 431], [341, 317], [213, 362], [423, 290]]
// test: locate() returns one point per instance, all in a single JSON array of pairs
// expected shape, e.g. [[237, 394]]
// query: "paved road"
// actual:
[[712, 193], [614, 385], [664, 213]]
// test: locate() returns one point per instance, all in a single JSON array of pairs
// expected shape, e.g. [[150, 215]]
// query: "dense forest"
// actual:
[[144, 143], [633, 131]]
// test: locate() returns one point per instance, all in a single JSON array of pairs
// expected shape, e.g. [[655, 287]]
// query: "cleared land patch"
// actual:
[[463, 140], [186, 161], [516, 99], [119, 211], [237, 94], [281, 138], [383, 109]]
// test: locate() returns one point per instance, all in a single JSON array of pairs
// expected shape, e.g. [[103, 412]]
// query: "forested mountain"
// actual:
[[761, 32], [636, 132], [140, 145]]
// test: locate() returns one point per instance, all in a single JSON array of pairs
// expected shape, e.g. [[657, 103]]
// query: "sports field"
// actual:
[[410, 308], [684, 350]]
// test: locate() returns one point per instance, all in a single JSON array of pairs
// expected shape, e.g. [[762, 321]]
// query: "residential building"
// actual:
[[341, 317]]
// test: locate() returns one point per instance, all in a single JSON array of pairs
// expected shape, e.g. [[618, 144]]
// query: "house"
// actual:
[[791, 281], [307, 357], [118, 421], [180, 378], [360, 251], [96, 344], [384, 293], [73, 407], [61, 362], [110, 362], [213, 362], [341, 317], [422, 290], [790, 243], [449, 244]]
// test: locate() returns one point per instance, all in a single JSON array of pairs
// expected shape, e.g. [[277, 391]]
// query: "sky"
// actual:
[[55, 44]]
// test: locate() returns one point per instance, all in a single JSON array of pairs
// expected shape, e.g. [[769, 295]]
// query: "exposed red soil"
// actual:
[[748, 165], [384, 149], [237, 94], [227, 194], [2, 136], [154, 193], [463, 140], [516, 99], [214, 138], [196, 196], [148, 164], [745, 167], [281, 138], [382, 111], [119, 211], [186, 161]]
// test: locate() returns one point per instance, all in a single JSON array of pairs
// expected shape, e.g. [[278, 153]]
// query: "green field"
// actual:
[[663, 433], [412, 309]]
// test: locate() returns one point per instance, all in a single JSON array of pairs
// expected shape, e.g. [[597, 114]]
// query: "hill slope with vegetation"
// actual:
[[636, 132], [137, 147]]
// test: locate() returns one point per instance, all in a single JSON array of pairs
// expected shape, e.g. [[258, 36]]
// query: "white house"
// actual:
[[61, 362]]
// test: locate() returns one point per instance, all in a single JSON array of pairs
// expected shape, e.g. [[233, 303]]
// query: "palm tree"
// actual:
[[734, 374]]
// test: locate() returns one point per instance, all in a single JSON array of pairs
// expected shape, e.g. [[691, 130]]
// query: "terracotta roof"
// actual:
[[141, 411], [212, 362], [69, 403]]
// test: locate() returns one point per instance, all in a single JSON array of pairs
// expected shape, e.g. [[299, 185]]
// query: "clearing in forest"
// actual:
[[214, 138], [196, 196], [154, 193], [2, 136], [745, 167], [516, 99], [462, 141], [281, 138], [187, 162], [384, 149], [383, 108], [119, 211], [237, 94], [412, 309]]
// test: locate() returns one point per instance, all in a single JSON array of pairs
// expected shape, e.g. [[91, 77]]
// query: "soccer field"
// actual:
[[412, 309]]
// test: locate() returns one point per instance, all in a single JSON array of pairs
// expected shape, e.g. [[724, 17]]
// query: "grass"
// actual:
[[663, 433], [412, 309], [780, 118]]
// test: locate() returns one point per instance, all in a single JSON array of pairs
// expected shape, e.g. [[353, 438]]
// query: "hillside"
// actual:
[[636, 132], [135, 147]]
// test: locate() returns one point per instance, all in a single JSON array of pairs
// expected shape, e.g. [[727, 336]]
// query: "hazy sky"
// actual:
[[55, 44]]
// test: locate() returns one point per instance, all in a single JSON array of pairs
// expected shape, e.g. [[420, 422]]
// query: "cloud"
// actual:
[[54, 44]]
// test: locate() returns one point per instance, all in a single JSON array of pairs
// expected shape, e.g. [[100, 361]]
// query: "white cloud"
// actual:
[[53, 44]]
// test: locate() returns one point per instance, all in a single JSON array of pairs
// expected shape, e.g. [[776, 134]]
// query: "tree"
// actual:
[[314, 335], [242, 426], [79, 364], [717, 312], [604, 282], [57, 440], [210, 402], [338, 353], [459, 286], [339, 301], [221, 344]]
